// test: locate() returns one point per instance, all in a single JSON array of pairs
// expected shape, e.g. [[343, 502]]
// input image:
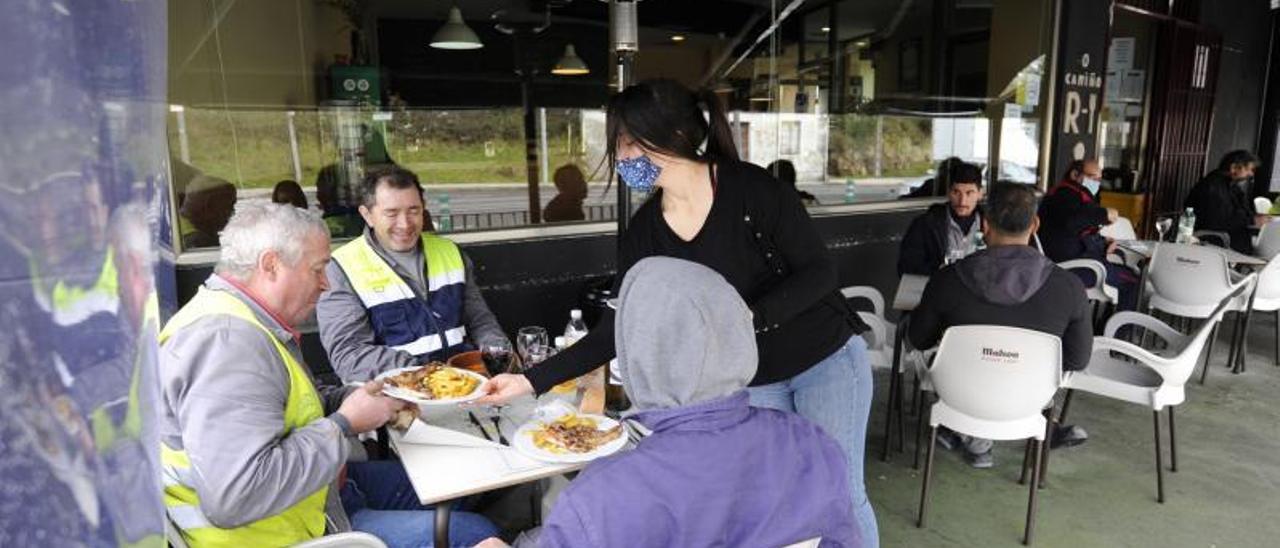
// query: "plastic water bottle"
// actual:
[[445, 224], [979, 242], [850, 191], [1186, 226], [576, 329]]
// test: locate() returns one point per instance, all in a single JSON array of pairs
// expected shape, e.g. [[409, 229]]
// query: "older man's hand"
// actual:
[[366, 408]]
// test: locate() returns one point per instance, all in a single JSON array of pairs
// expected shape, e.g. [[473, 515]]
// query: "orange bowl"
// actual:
[[471, 361]]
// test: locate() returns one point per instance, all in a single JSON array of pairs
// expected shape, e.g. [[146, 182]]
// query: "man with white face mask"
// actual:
[[1070, 218]]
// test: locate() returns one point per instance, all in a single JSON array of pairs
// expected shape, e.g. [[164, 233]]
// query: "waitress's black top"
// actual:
[[800, 317]]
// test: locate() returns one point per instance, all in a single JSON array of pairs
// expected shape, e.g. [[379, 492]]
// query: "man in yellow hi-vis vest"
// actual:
[[398, 296], [253, 452]]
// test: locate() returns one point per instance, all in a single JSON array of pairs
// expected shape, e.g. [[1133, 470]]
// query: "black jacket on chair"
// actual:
[[1069, 221], [924, 247], [1221, 205]]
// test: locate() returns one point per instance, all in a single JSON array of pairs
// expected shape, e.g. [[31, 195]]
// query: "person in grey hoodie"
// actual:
[[715, 471], [1008, 284]]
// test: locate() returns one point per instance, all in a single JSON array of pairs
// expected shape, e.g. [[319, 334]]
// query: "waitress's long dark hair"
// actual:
[[666, 117]]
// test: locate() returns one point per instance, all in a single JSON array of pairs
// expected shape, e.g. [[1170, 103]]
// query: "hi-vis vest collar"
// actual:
[[424, 326], [302, 521]]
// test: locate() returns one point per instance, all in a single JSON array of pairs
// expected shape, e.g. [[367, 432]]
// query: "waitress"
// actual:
[[708, 207]]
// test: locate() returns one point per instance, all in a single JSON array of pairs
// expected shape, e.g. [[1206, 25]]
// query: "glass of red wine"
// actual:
[[497, 357]]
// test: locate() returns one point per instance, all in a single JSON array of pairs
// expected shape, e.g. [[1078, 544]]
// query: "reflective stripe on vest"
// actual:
[[401, 320], [302, 521], [69, 304]]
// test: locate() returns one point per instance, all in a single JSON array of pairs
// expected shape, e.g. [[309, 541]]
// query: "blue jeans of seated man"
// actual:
[[380, 501], [836, 395]]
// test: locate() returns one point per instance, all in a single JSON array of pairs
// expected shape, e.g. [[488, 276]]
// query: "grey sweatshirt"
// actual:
[[681, 343], [347, 334], [223, 394]]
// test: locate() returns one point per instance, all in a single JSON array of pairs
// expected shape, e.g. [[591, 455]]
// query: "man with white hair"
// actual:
[[254, 453]]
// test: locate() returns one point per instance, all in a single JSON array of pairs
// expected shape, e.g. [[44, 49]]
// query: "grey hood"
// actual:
[[683, 335], [1005, 275]]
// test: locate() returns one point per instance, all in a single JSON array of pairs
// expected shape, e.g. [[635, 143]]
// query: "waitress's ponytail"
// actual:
[[719, 136]]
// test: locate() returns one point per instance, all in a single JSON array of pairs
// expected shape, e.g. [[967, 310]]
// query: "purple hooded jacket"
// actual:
[[715, 471]]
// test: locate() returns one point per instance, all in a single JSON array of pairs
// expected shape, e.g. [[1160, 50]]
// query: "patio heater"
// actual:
[[624, 40]]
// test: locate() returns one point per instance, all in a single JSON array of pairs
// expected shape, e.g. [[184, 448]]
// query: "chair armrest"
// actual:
[[878, 329], [1099, 271], [1144, 357], [1170, 335]]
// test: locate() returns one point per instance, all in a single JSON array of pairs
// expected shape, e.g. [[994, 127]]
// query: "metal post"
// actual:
[[530, 147], [184, 147], [624, 34], [879, 145], [545, 173], [293, 146]]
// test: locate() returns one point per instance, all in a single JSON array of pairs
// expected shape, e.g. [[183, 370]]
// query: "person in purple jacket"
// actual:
[[715, 471]]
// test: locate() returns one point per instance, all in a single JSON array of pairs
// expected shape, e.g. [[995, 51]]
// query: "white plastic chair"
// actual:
[[1127, 372], [353, 539], [1099, 292], [1268, 244], [1262, 205], [1266, 297], [883, 333], [993, 382], [1190, 281]]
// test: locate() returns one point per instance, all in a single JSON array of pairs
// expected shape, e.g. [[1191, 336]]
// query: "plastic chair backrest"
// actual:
[[867, 292], [1190, 275], [1122, 229], [353, 539], [997, 373], [1268, 240], [1262, 204], [1184, 363], [1269, 282]]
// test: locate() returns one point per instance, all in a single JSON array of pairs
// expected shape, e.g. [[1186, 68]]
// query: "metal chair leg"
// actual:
[[894, 393], [1155, 415], [1043, 459], [928, 471], [902, 426], [915, 394], [1173, 443], [1066, 406], [1026, 462], [1031, 498], [1213, 335], [920, 420], [442, 511], [1277, 337]]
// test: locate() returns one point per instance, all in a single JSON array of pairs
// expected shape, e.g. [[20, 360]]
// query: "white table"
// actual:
[[910, 289], [443, 473], [1147, 247]]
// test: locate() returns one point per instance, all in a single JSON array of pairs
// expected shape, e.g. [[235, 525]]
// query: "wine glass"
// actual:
[[497, 356], [530, 337], [1163, 225]]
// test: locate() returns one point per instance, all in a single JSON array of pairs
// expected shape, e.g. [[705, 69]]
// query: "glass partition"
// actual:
[[297, 100]]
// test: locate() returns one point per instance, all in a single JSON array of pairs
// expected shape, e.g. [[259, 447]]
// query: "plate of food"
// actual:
[[432, 384], [569, 437]]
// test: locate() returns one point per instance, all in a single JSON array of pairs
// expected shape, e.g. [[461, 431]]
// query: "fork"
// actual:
[[497, 427]]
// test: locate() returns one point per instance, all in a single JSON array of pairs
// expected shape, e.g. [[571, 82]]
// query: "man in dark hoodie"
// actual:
[[1008, 284], [945, 229], [1221, 200]]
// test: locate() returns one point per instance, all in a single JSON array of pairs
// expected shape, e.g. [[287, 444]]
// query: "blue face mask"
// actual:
[[639, 173], [1092, 185]]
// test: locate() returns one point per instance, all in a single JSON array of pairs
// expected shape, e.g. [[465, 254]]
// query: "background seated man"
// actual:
[[398, 296], [1009, 284], [1071, 218], [253, 451], [945, 228], [571, 191], [785, 172], [1222, 200], [715, 471]]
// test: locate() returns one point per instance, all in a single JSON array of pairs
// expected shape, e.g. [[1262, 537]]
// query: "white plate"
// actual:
[[522, 441], [413, 397]]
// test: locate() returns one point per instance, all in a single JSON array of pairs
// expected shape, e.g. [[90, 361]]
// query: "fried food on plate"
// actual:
[[573, 433], [436, 381]]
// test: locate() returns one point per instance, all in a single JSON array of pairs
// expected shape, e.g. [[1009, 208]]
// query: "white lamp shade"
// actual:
[[570, 64], [455, 34]]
